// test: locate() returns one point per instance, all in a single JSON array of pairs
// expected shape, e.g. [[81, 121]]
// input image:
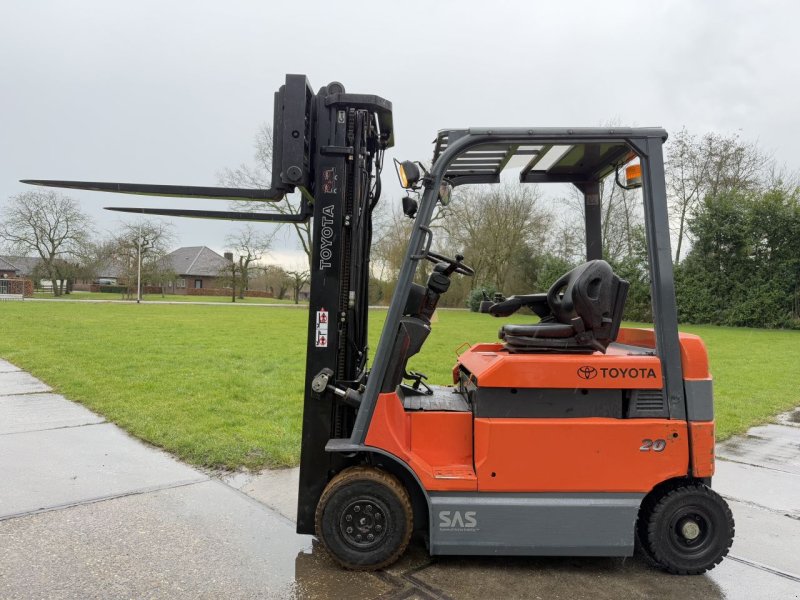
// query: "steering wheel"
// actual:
[[456, 266]]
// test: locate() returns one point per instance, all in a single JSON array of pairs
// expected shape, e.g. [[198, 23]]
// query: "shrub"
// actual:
[[476, 296]]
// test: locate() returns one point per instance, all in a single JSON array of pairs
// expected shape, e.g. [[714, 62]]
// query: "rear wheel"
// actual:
[[364, 518], [689, 529]]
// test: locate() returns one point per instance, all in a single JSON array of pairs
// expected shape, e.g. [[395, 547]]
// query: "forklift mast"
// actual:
[[350, 135], [329, 146]]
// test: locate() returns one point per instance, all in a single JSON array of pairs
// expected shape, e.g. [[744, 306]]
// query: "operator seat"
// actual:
[[581, 312]]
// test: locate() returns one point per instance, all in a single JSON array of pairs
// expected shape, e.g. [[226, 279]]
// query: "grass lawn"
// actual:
[[160, 298], [223, 388]]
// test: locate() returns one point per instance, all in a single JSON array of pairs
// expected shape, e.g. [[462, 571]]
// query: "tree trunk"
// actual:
[[53, 280], [242, 276], [680, 236]]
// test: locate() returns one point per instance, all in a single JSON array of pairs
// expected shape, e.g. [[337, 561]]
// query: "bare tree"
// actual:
[[230, 276], [715, 163], [143, 244], [497, 228], [49, 225], [250, 245], [298, 279], [621, 219], [566, 240], [275, 280], [259, 176], [390, 241]]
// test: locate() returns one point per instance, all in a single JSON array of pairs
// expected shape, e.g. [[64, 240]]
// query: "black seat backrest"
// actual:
[[593, 293]]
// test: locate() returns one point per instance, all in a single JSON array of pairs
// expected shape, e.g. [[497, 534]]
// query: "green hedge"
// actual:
[[112, 289]]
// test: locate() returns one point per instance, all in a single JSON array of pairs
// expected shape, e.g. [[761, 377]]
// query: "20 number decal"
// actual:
[[654, 445]]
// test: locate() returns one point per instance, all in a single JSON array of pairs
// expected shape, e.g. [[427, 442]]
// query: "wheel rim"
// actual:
[[364, 522], [690, 531]]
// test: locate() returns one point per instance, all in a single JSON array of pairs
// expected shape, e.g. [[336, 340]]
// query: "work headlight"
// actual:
[[408, 173]]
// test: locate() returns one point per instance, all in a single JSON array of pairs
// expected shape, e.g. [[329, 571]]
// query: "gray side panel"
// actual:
[[533, 524], [699, 399], [543, 403]]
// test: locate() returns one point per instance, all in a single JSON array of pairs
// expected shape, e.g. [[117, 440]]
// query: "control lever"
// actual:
[[417, 378], [487, 304], [347, 395]]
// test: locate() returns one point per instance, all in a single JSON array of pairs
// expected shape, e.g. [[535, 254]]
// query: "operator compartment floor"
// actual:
[[618, 349], [444, 398]]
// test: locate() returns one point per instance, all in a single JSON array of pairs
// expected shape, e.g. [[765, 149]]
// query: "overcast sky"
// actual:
[[172, 92]]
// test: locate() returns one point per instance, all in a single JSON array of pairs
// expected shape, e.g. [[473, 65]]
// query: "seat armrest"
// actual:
[[506, 308], [485, 306], [536, 302]]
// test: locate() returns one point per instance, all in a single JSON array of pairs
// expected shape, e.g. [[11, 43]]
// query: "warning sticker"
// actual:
[[322, 328], [329, 179]]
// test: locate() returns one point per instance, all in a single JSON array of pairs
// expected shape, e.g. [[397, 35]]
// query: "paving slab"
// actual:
[[276, 488], [597, 579], [20, 382], [59, 467], [207, 540], [204, 540], [766, 537], [770, 446], [791, 418], [776, 490], [7, 367], [35, 412]]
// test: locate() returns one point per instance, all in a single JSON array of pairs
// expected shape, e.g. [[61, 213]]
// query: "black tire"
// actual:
[[640, 535], [364, 519], [689, 529], [643, 520]]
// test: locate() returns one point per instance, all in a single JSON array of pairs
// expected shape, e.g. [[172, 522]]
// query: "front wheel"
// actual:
[[364, 518], [689, 530]]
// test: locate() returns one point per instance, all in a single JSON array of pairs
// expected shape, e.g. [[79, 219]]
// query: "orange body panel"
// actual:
[[436, 445], [702, 434], [578, 455], [493, 366], [694, 358], [552, 454]]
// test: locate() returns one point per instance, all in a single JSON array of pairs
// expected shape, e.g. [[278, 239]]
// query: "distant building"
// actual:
[[195, 267], [7, 270], [18, 266]]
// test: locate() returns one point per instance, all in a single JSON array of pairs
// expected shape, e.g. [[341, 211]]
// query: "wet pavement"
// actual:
[[86, 511]]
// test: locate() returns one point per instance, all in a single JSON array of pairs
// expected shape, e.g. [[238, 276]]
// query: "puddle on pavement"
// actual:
[[418, 575]]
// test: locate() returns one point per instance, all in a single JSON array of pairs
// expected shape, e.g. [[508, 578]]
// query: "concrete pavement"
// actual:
[[86, 511]]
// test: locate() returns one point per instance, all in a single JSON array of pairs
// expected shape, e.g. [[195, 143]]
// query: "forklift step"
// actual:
[[465, 473], [443, 398]]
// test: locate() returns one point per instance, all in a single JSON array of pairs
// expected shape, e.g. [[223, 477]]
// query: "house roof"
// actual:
[[24, 264], [196, 260], [6, 266], [110, 269]]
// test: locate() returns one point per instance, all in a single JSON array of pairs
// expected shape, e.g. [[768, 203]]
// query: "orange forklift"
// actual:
[[570, 436]]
